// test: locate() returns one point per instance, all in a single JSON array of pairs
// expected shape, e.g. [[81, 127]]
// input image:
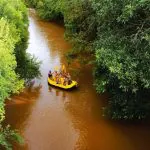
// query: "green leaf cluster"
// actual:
[[9, 80], [122, 51], [15, 12], [7, 135], [16, 65]]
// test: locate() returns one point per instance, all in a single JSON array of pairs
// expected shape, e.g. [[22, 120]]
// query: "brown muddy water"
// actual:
[[54, 119]]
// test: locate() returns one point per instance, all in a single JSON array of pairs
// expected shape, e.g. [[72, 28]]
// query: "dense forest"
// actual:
[[16, 66], [112, 35], [116, 36]]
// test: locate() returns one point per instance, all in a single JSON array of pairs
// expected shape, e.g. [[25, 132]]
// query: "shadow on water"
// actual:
[[19, 108]]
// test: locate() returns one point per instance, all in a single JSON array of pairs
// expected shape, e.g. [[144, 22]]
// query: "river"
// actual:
[[54, 119]]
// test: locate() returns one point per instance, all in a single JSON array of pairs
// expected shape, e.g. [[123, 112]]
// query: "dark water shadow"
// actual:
[[23, 103]]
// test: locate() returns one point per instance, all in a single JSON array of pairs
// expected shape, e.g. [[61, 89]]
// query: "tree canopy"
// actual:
[[16, 65], [16, 14]]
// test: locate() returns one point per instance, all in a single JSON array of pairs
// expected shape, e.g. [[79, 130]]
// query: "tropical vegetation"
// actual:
[[16, 66]]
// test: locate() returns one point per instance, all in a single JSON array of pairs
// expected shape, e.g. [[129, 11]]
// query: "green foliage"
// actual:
[[7, 135], [9, 80], [123, 56], [48, 9], [31, 69], [15, 63], [117, 33], [16, 14]]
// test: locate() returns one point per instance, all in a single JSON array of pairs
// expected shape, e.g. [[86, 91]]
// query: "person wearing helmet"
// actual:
[[49, 74]]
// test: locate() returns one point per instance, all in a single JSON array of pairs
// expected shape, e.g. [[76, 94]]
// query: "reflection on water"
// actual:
[[20, 108], [53, 119]]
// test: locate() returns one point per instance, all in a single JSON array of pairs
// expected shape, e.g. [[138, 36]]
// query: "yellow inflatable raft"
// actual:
[[73, 84]]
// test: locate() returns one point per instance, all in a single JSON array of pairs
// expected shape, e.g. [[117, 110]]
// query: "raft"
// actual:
[[70, 86]]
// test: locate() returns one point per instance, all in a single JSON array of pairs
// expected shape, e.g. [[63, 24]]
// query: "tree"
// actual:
[[16, 65], [9, 80], [16, 14], [123, 56]]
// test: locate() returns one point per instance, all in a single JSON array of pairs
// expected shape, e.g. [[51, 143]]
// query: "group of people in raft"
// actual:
[[61, 76]]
